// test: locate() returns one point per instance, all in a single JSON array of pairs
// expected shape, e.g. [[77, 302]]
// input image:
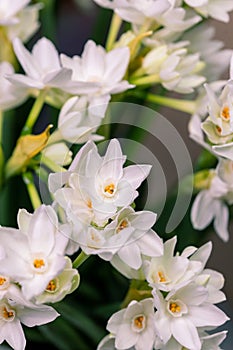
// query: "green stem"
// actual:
[[51, 165], [147, 80], [81, 258], [32, 191], [1, 126], [113, 31], [34, 114], [180, 105]]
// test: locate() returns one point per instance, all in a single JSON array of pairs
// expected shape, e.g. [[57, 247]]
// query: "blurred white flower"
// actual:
[[175, 69], [217, 9], [27, 23], [9, 11], [58, 152], [134, 326], [210, 203], [79, 119], [202, 40], [96, 66], [136, 12], [10, 95]]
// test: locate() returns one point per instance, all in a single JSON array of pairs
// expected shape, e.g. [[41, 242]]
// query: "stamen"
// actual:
[[225, 113], [7, 314], [122, 225], [219, 130], [89, 204], [52, 286], [139, 322], [38, 263], [110, 188], [161, 277], [174, 307], [2, 280]]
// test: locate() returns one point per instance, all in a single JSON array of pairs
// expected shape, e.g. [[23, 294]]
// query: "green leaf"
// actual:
[[76, 317], [63, 336], [1, 166]]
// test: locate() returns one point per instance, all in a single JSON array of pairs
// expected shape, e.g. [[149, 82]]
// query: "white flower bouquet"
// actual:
[[95, 251]]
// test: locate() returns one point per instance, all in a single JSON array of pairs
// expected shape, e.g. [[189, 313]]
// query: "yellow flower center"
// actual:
[[174, 307], [139, 322], [219, 130], [2, 280], [123, 224], [225, 113], [109, 188], [7, 314], [161, 277], [52, 286], [38, 263], [89, 204]]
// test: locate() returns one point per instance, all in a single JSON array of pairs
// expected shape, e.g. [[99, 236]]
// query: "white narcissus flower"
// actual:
[[96, 66], [34, 253], [136, 12], [10, 95], [210, 204], [217, 9], [14, 310], [126, 238], [98, 186], [65, 283], [182, 312], [9, 11], [169, 272], [219, 125], [134, 326], [43, 68], [142, 240], [79, 119]]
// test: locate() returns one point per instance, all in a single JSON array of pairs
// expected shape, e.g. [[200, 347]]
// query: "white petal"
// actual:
[[26, 60], [14, 335], [23, 220], [135, 174], [46, 55], [207, 315], [202, 212], [151, 244], [130, 254], [221, 222], [38, 316], [185, 333], [43, 227]]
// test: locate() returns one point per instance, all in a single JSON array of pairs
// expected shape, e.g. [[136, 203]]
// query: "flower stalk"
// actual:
[[34, 113], [113, 31], [81, 258], [32, 190]]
